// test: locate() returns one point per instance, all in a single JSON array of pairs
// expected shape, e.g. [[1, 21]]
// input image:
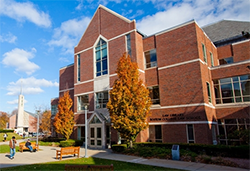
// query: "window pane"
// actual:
[[226, 90], [244, 77], [98, 55], [92, 132], [225, 80], [104, 53], [237, 89], [104, 64], [98, 66], [245, 86], [99, 133], [190, 132], [153, 55]]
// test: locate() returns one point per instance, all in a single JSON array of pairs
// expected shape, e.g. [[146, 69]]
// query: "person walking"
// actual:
[[12, 145], [5, 136], [28, 145]]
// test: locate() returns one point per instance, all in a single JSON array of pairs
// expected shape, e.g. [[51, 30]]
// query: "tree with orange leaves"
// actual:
[[45, 124], [64, 119], [129, 102]]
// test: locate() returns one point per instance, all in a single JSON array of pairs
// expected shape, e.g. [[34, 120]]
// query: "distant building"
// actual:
[[23, 121], [199, 77]]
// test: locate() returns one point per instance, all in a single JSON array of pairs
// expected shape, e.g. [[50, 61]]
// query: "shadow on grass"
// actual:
[[59, 165]]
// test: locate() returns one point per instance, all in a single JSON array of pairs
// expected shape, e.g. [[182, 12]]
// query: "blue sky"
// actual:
[[37, 37]]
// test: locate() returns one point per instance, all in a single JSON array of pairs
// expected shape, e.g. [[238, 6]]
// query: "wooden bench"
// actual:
[[68, 151], [69, 167], [23, 147]]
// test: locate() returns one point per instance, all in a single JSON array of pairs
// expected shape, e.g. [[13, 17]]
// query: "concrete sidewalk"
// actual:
[[48, 154]]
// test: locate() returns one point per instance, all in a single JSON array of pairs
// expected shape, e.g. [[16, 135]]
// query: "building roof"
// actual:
[[32, 114], [226, 29]]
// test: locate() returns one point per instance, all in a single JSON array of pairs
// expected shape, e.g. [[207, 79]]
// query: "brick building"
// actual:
[[198, 91]]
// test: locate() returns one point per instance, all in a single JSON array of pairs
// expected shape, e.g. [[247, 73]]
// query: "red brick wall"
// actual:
[[231, 71], [233, 112], [151, 76], [181, 85], [178, 45], [241, 51], [12, 122], [225, 51], [66, 78]]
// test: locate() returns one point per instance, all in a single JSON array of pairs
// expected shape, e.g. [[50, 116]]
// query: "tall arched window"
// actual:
[[101, 58]]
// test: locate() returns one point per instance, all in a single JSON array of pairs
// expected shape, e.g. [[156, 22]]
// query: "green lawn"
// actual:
[[6, 149], [59, 165], [10, 135]]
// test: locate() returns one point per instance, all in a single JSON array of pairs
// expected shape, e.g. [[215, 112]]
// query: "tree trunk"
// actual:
[[130, 143]]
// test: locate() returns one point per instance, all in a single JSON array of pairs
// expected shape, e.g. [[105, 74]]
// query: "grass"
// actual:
[[6, 149], [59, 165], [10, 135]]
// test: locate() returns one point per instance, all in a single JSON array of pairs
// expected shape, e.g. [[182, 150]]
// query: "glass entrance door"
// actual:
[[95, 136]]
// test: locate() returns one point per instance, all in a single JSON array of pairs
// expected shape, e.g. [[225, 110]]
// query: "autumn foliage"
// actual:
[[4, 119], [129, 102], [64, 119], [46, 124]]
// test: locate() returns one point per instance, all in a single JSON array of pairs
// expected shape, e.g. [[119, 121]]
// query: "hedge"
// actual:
[[212, 150], [6, 130]]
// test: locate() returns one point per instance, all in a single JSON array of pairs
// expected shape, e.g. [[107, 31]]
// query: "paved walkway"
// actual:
[[48, 154]]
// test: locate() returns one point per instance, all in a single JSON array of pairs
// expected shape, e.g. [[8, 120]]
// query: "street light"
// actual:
[[38, 111], [86, 132]]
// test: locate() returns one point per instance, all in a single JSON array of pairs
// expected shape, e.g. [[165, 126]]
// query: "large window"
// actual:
[[228, 129], [204, 52], [128, 41], [232, 90], [82, 102], [101, 58], [228, 60], [101, 99], [190, 133], [78, 68], [151, 58], [154, 94]]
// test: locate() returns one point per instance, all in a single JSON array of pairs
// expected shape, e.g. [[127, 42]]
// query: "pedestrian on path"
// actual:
[[12, 145], [5, 136]]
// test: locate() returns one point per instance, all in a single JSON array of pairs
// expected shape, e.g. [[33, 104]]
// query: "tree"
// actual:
[[46, 124], [129, 102], [64, 119], [4, 119]]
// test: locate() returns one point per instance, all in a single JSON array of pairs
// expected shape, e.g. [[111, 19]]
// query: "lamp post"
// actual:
[[86, 132], [38, 112]]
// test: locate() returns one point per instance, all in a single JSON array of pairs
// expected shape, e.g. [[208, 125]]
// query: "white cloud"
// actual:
[[20, 59], [9, 37], [69, 33], [22, 11], [29, 85], [204, 12], [15, 101]]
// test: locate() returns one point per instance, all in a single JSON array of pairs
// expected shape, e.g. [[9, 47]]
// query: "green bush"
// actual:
[[119, 147], [52, 139], [67, 143], [210, 150], [6, 130]]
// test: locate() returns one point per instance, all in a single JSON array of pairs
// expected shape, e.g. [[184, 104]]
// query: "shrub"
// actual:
[[67, 143], [119, 147], [6, 130]]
